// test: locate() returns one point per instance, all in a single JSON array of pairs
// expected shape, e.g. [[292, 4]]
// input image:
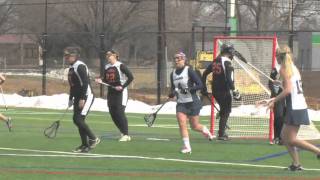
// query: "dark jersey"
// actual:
[[222, 74], [79, 81], [117, 75]]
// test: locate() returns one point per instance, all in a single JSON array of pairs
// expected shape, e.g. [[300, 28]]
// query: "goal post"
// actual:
[[246, 121]]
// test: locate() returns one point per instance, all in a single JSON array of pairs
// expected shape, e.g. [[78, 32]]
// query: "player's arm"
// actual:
[[83, 73], [172, 88], [229, 74], [196, 81], [128, 73], [206, 72]]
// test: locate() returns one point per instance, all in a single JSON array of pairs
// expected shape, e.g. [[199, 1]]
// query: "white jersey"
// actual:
[[181, 82], [297, 98]]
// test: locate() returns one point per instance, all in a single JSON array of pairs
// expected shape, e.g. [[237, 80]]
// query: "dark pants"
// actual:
[[79, 116], [224, 100], [117, 112], [279, 114]]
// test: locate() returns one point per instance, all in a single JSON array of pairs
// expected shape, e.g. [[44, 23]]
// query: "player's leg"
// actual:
[[93, 140], [224, 100], [194, 120], [182, 119], [123, 123], [289, 134]]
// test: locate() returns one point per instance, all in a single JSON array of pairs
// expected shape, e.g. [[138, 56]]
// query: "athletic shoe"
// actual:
[[9, 123], [223, 138], [318, 156], [185, 150], [125, 138], [82, 149], [94, 143], [294, 168], [208, 135]]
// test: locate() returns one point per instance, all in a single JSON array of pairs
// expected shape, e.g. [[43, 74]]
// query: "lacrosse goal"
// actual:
[[251, 79]]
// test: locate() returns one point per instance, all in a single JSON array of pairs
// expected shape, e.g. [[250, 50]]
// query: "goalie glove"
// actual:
[[236, 95]]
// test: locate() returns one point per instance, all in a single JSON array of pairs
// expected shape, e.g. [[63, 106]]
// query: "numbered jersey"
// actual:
[[222, 73], [180, 81], [297, 98], [113, 74]]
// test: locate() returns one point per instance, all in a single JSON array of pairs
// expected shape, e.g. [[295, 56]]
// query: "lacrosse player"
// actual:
[[81, 98], [279, 107], [118, 77], [7, 120], [184, 84], [222, 84], [296, 108]]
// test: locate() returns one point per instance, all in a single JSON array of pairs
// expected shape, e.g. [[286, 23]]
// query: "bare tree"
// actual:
[[7, 16]]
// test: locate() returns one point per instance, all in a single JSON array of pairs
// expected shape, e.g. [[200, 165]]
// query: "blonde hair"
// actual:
[[287, 62]]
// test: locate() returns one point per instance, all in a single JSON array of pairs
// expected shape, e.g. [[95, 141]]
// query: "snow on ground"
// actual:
[[60, 101]]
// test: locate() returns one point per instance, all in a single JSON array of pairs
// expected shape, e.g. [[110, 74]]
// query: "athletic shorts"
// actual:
[[190, 108], [297, 117]]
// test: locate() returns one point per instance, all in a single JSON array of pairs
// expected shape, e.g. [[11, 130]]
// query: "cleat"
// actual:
[[294, 168], [209, 136], [185, 150], [125, 138], [318, 156], [82, 149], [9, 124], [223, 138], [94, 143]]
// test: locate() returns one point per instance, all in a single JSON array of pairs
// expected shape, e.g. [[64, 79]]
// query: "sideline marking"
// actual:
[[92, 155], [157, 139]]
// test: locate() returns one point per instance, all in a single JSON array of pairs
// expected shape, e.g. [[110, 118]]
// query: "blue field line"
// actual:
[[269, 156]]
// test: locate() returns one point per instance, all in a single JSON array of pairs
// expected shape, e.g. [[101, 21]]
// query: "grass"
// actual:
[[140, 158]]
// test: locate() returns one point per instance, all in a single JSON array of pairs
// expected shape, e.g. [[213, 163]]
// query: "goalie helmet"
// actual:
[[227, 48]]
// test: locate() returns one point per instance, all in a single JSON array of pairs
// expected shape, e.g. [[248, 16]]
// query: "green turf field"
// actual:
[[26, 154]]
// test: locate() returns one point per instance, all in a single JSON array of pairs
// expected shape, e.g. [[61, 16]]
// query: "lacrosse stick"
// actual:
[[51, 131], [108, 85], [150, 118]]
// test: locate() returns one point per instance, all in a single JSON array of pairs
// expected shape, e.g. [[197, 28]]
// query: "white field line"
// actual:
[[91, 155]]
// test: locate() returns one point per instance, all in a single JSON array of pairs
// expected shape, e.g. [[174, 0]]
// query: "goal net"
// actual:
[[251, 79]]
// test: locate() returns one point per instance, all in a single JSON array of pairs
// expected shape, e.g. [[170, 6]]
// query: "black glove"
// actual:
[[236, 95], [171, 95], [274, 73], [184, 91]]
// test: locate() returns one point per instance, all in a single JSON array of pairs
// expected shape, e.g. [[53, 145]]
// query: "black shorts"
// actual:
[[190, 108]]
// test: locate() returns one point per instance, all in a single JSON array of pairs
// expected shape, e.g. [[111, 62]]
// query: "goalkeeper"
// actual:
[[222, 84], [279, 107]]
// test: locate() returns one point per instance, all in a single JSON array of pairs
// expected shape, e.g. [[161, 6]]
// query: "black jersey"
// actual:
[[79, 81], [117, 75], [222, 74]]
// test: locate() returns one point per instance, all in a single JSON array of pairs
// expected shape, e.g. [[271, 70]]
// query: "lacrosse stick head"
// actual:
[[51, 131], [149, 119]]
